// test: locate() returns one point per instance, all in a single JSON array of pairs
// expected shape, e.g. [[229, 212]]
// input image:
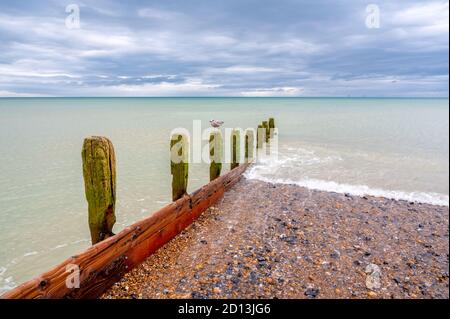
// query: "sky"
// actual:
[[319, 48]]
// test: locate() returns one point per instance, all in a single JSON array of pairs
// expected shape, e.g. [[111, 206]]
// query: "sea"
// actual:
[[392, 147]]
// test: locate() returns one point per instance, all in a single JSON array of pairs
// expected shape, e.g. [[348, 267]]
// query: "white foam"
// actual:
[[59, 246], [32, 253], [80, 241], [301, 157], [6, 283], [357, 190]]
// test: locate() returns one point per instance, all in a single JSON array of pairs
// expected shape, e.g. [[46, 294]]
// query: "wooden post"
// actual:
[[260, 136], [101, 266], [249, 144], [271, 126], [179, 165], [99, 172], [265, 124], [215, 155], [234, 149]]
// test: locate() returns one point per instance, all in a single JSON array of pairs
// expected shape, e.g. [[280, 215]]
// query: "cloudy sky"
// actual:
[[224, 48]]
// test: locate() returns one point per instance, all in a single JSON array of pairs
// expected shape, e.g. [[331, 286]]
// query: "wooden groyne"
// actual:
[[90, 273]]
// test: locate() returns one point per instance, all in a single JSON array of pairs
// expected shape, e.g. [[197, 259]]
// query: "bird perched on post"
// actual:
[[215, 123]]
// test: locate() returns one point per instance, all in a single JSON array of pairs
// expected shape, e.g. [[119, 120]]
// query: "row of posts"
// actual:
[[179, 149], [99, 171]]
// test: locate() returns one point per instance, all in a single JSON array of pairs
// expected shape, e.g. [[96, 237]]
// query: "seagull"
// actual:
[[215, 123]]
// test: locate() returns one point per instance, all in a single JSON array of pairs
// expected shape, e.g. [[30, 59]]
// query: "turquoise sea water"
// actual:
[[397, 148]]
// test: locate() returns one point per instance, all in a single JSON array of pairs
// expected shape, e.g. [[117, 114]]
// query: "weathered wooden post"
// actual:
[[179, 165], [215, 154], [271, 126], [99, 172], [234, 149], [249, 144], [260, 136], [265, 124]]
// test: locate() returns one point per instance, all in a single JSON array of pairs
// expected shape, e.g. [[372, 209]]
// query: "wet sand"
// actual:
[[283, 241]]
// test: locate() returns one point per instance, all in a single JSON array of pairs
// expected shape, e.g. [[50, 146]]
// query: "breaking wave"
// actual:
[[269, 171]]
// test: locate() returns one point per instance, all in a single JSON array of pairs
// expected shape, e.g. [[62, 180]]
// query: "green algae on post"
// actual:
[[215, 154], [235, 149], [249, 145], [99, 172], [260, 136], [179, 165], [271, 126], [265, 124]]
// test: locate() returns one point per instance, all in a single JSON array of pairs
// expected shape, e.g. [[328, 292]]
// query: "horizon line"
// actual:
[[230, 97]]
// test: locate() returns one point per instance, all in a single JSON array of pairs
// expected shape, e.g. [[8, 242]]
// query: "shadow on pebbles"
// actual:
[[283, 241]]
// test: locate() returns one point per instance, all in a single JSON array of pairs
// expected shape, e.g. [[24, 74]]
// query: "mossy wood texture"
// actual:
[[99, 172], [216, 155], [249, 145], [235, 146], [260, 136], [271, 126], [106, 262], [179, 166], [265, 124]]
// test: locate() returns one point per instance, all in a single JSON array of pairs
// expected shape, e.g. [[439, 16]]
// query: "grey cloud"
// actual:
[[225, 48]]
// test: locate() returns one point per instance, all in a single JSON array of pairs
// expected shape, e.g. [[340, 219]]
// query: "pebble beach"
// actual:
[[266, 240]]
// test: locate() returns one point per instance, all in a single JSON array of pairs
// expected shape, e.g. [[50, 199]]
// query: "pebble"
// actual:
[[261, 242], [373, 279], [335, 254], [312, 292]]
